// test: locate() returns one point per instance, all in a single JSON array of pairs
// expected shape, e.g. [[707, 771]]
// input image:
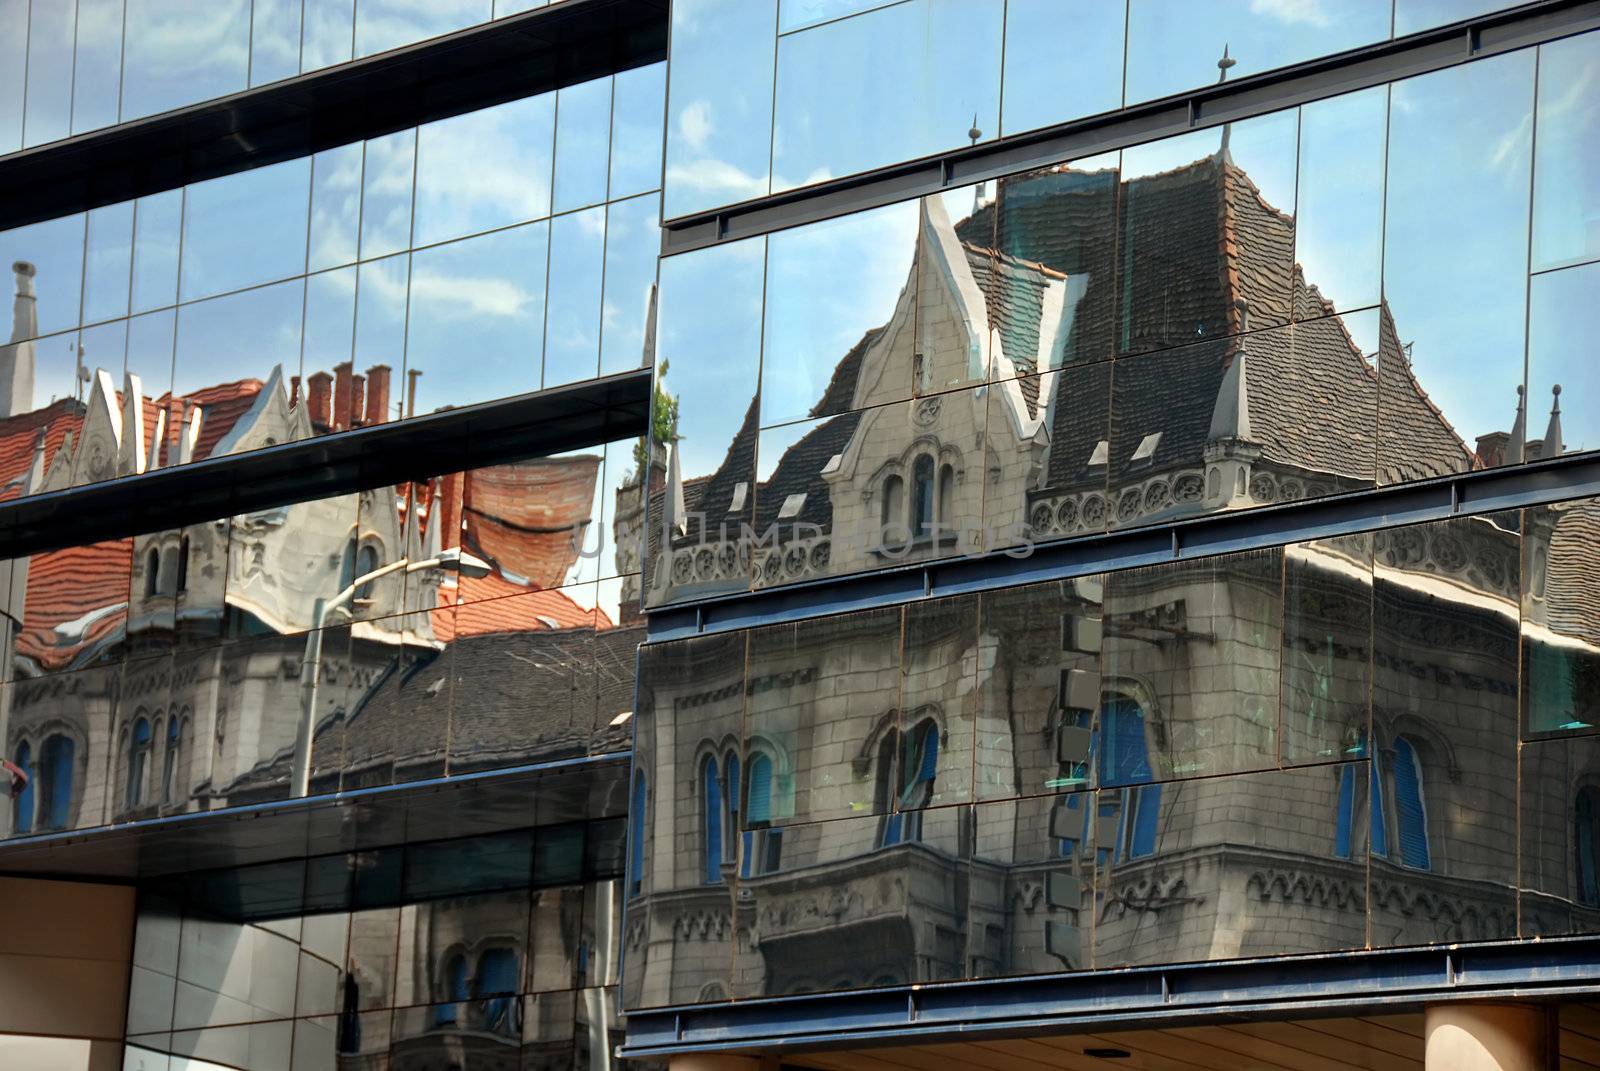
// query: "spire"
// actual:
[[1230, 419], [17, 358], [1552, 433], [648, 359], [673, 520], [132, 450], [158, 438], [1223, 66], [980, 193], [1516, 448]]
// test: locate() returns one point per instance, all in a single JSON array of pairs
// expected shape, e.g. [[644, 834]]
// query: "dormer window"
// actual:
[[1146, 450], [1100, 455], [740, 490], [791, 506]]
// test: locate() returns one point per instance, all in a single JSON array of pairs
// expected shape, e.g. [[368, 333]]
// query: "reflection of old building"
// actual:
[[1191, 761]]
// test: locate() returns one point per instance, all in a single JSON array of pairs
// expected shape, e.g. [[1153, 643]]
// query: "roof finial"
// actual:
[[981, 192], [1223, 66], [973, 132], [1552, 433], [1517, 447]]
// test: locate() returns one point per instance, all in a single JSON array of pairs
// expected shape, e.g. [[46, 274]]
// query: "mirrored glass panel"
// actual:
[[1558, 879], [327, 33], [1566, 165], [485, 169], [1049, 442], [13, 84], [927, 760], [1041, 844], [1327, 650], [627, 312], [97, 64], [583, 144], [572, 325], [387, 179], [51, 29], [1560, 637], [64, 730], [175, 53], [244, 229], [1038, 88], [274, 40], [1338, 239], [638, 106], [385, 24], [1563, 321]]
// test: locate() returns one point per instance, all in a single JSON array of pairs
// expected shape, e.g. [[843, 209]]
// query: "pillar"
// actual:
[[1489, 1037]]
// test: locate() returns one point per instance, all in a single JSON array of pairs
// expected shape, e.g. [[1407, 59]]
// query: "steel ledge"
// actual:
[[1349, 983]]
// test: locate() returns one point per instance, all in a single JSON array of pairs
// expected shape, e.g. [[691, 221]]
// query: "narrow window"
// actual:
[[765, 845], [711, 804], [366, 562], [947, 492], [1124, 759], [495, 987], [883, 796], [455, 984], [922, 496], [152, 573], [1344, 812], [1380, 825], [56, 766], [22, 806], [169, 764], [636, 826], [893, 509], [730, 807], [1410, 810], [138, 757], [183, 564], [1586, 830]]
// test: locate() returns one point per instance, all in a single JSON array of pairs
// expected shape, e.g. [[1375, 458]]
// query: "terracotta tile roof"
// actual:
[[77, 601], [18, 434], [530, 518]]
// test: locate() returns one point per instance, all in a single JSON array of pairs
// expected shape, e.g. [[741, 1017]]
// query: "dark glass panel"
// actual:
[[51, 29], [1563, 321], [371, 962], [274, 40], [244, 229], [1566, 162], [840, 330], [1048, 438], [1040, 648], [907, 921], [555, 938], [1327, 650], [385, 24], [583, 145], [900, 101], [327, 33], [175, 53], [523, 673], [1559, 882], [1039, 88], [690, 707], [1190, 669], [97, 64], [468, 865], [1451, 346], [1175, 45], [701, 484], [486, 169], [719, 108], [1560, 632], [577, 266], [1042, 848], [335, 207], [1444, 711], [824, 696], [486, 933], [637, 112], [395, 699], [933, 752], [490, 290], [233, 972], [1268, 844], [627, 314], [558, 853], [619, 628], [1339, 203], [547, 1031]]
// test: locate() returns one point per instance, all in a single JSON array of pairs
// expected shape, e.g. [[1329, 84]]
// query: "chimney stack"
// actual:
[[17, 358], [411, 390], [341, 395], [319, 392], [294, 391], [377, 394], [358, 399]]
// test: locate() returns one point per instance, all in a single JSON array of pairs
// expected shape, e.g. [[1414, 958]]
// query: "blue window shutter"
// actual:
[[1125, 753], [1584, 820], [731, 764], [930, 754], [24, 822], [758, 808], [712, 802], [1408, 806], [636, 834], [1380, 828], [58, 752], [1147, 823], [1345, 814]]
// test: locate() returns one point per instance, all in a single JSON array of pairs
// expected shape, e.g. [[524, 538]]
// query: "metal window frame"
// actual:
[[1430, 50]]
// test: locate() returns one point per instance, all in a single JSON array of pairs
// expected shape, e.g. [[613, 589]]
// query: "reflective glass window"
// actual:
[[1339, 203], [327, 33], [97, 64], [633, 240], [157, 222], [13, 83], [274, 40], [175, 53], [51, 29], [387, 179], [572, 326], [385, 24], [1566, 166], [638, 106], [1563, 380], [244, 229], [583, 144], [484, 169], [1040, 89]]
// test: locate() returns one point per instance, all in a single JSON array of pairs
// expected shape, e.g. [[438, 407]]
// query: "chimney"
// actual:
[[17, 358], [341, 395], [294, 391], [358, 398], [1492, 449], [377, 394], [450, 504], [411, 390], [319, 392]]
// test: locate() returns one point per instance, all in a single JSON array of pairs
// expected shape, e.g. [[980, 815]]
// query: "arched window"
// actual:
[[1379, 832], [1410, 810], [138, 760], [457, 988], [169, 762], [712, 806], [1586, 833], [56, 765], [730, 807], [922, 496], [152, 573], [169, 571], [366, 562], [636, 827], [183, 564], [893, 508], [764, 844], [495, 987], [1124, 759], [22, 805], [947, 492], [906, 768]]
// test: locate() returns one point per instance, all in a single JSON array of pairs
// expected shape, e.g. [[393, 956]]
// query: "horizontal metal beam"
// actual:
[[517, 56], [1389, 980], [546, 793], [1486, 491], [455, 440], [1232, 101]]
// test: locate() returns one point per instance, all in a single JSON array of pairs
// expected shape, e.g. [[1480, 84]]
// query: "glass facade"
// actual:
[[73, 66], [498, 950], [473, 258], [1285, 308], [826, 88]]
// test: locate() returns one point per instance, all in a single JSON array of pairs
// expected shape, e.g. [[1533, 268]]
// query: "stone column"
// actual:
[[1489, 1037]]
